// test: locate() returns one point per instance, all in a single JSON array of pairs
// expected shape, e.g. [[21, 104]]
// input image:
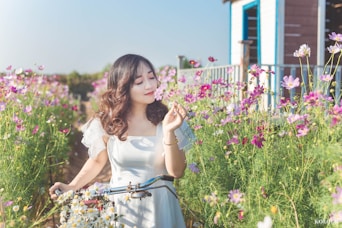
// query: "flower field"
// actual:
[[36, 114], [251, 168], [248, 167]]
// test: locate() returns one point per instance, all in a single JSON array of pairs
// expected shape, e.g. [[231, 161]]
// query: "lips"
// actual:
[[149, 93]]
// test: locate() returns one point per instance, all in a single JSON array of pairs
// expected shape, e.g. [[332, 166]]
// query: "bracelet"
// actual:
[[170, 144]]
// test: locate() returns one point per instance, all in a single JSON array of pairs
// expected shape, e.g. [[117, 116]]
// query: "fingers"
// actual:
[[53, 189], [179, 109]]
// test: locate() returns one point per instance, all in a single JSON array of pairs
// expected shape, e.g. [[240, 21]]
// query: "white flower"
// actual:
[[16, 208], [218, 132], [267, 223], [18, 71]]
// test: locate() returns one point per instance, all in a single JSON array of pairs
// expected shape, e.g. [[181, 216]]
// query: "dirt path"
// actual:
[[79, 155]]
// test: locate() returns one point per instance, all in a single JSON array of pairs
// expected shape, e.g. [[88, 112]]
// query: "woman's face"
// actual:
[[144, 86]]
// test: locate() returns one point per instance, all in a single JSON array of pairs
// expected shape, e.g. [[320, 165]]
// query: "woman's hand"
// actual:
[[174, 118], [61, 186]]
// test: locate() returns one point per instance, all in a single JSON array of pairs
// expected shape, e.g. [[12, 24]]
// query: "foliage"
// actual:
[[36, 112], [249, 166]]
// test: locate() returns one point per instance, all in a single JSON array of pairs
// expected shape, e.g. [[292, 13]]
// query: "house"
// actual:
[[268, 32], [278, 27]]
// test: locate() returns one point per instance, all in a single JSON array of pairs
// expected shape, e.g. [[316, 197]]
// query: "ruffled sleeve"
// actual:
[[185, 136], [93, 133]]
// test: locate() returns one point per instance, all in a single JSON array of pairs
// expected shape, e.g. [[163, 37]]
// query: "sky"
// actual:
[[85, 36]]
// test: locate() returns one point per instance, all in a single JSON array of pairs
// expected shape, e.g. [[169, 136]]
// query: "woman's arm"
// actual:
[[175, 160], [91, 168], [89, 171]]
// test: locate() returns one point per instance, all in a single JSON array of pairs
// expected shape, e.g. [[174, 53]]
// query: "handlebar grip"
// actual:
[[167, 178], [58, 192]]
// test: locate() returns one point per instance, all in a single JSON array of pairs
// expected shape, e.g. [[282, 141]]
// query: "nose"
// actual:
[[148, 84]]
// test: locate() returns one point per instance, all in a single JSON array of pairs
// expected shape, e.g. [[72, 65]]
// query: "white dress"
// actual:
[[136, 160]]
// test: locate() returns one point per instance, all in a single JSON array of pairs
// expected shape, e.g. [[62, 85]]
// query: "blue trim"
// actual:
[[255, 3]]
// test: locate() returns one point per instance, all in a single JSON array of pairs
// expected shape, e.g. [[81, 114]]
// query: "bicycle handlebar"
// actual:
[[139, 190]]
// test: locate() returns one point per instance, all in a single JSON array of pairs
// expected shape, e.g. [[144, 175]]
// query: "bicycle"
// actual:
[[93, 207]]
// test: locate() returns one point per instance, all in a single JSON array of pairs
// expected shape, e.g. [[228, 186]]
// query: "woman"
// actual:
[[141, 138]]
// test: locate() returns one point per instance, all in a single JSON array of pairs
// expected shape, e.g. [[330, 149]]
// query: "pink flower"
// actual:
[[199, 72], [304, 50], [193, 62], [255, 70], [8, 203], [28, 109], [337, 196], [235, 196], [258, 140], [189, 98], [302, 130], [74, 108], [336, 217], [326, 77], [212, 59], [241, 215], [233, 140], [335, 36], [182, 79], [334, 49], [41, 67], [313, 99], [230, 70], [35, 130], [205, 87], [2, 106], [296, 117], [289, 82], [65, 130], [193, 167]]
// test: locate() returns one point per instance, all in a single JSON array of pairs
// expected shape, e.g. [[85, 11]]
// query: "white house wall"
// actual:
[[236, 30], [267, 31], [267, 41]]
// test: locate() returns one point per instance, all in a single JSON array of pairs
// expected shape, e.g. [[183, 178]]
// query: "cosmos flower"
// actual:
[[334, 49], [212, 59], [337, 196], [302, 130], [193, 167], [326, 77], [258, 140], [35, 130], [289, 82], [303, 51], [2, 106], [335, 36], [233, 140], [255, 70], [235, 196], [336, 217]]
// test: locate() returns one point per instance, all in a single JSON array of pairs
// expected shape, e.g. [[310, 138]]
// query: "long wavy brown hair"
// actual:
[[115, 102]]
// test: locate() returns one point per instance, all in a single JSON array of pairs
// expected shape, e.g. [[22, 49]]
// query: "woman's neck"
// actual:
[[137, 113]]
